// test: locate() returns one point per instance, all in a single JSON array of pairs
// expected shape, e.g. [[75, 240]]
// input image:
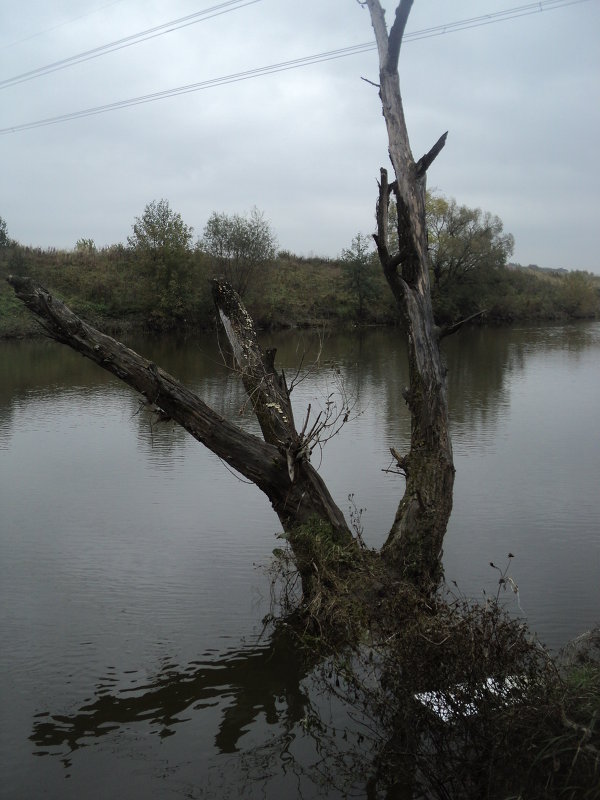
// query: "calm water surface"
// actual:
[[132, 585]]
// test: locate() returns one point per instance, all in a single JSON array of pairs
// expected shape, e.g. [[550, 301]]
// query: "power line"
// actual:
[[195, 87], [129, 41], [490, 18], [225, 7], [60, 25], [317, 58]]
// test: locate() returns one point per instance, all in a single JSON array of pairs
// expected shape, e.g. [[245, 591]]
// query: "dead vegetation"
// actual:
[[447, 698]]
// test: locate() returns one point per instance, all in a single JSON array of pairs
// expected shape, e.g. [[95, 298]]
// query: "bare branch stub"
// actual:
[[427, 160], [372, 83]]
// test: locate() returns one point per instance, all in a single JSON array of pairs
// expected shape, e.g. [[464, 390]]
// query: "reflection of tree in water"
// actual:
[[273, 684], [373, 363], [40, 367], [252, 681], [477, 362], [161, 440], [482, 362], [6, 425]]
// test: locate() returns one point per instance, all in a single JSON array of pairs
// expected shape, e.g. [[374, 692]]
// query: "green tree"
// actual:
[[578, 296], [463, 241], [238, 246], [85, 247], [162, 242], [358, 266], [4, 240]]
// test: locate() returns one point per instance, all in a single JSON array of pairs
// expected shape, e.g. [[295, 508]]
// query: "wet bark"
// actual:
[[276, 465], [414, 544]]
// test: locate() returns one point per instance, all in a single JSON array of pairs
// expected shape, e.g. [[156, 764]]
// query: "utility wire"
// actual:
[[59, 25], [195, 87], [129, 41], [209, 13], [317, 58]]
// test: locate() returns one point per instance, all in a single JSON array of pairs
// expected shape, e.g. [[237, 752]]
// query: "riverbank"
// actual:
[[112, 290]]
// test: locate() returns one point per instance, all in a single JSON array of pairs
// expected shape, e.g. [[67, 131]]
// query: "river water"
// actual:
[[132, 561]]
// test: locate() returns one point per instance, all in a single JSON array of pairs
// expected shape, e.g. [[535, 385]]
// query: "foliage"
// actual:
[[162, 244], [578, 296], [85, 246], [121, 290], [238, 246], [359, 268], [4, 240], [464, 703], [468, 251], [463, 241], [160, 230]]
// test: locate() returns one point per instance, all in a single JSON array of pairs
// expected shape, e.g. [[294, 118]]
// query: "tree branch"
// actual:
[[396, 34], [372, 83], [242, 451], [427, 160], [448, 330], [266, 389], [381, 212]]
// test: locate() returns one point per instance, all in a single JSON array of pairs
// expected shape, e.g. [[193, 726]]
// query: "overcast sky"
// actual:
[[519, 98]]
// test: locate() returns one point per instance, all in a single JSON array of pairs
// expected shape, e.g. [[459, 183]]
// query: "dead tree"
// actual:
[[279, 463], [415, 541]]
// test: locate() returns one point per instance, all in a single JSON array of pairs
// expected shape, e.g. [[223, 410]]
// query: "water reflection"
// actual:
[[373, 362], [244, 683]]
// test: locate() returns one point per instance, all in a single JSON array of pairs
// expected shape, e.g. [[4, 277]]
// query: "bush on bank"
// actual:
[[113, 289]]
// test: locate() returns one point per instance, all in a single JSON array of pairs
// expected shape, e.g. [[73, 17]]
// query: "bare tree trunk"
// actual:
[[414, 544], [279, 466]]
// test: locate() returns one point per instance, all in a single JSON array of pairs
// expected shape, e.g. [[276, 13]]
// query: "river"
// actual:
[[132, 561]]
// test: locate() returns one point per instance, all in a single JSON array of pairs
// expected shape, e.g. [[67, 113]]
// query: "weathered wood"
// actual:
[[265, 463], [414, 544], [266, 389], [270, 398]]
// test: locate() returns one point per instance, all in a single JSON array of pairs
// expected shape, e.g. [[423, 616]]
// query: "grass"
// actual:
[[113, 288]]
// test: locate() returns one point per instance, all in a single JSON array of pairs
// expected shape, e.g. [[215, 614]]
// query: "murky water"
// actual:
[[132, 585]]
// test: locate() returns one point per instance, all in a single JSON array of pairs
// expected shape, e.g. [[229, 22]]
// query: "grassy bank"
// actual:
[[114, 290]]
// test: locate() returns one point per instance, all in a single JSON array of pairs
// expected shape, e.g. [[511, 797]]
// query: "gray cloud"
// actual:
[[518, 97]]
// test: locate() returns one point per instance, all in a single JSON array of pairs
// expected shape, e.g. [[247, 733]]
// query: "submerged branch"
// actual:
[[448, 330]]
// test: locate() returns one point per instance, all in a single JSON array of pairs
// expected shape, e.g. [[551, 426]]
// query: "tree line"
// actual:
[[160, 279]]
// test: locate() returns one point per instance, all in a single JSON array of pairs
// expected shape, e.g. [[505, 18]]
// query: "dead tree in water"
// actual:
[[415, 540], [279, 462]]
